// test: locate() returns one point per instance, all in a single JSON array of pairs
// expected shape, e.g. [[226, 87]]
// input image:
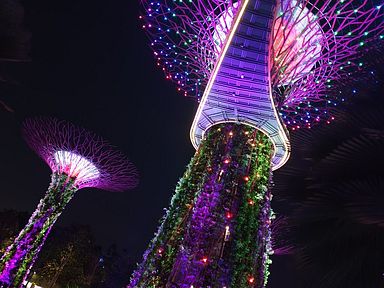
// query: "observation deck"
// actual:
[[239, 89]]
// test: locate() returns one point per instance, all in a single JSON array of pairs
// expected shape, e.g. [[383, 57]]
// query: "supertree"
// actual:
[[257, 68], [78, 159]]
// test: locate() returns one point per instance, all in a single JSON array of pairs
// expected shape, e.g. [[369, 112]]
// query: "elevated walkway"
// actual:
[[239, 88]]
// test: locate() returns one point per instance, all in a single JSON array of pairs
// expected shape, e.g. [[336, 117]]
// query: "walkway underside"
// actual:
[[239, 89]]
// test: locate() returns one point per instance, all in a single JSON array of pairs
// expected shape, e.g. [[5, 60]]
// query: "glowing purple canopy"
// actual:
[[81, 154], [314, 44]]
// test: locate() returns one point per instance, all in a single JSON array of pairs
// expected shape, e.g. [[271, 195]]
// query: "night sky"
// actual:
[[91, 65]]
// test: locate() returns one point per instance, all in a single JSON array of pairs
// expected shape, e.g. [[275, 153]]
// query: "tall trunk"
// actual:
[[19, 257], [216, 232]]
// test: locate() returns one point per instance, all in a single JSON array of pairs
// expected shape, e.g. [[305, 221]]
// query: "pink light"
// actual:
[[80, 154], [297, 40], [310, 45]]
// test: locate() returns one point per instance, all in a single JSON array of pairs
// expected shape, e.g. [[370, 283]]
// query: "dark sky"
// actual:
[[91, 65]]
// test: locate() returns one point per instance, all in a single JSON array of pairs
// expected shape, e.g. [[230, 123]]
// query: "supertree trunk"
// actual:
[[19, 257], [216, 232]]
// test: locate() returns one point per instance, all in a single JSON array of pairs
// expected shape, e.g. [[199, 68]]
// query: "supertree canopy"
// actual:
[[256, 67], [313, 44], [78, 159]]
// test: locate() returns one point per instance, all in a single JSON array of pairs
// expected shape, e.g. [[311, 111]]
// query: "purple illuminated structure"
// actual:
[[256, 67], [78, 159]]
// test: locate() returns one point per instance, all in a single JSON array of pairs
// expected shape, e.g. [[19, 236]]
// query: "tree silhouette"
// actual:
[[11, 222], [71, 258], [333, 190]]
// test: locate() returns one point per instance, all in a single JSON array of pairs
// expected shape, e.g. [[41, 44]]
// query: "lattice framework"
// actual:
[[186, 37]]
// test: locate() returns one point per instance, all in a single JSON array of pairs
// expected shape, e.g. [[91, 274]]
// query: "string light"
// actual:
[[307, 79]]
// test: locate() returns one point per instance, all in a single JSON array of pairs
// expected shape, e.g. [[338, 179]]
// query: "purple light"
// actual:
[[315, 44], [256, 64], [77, 152], [78, 159], [221, 208]]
